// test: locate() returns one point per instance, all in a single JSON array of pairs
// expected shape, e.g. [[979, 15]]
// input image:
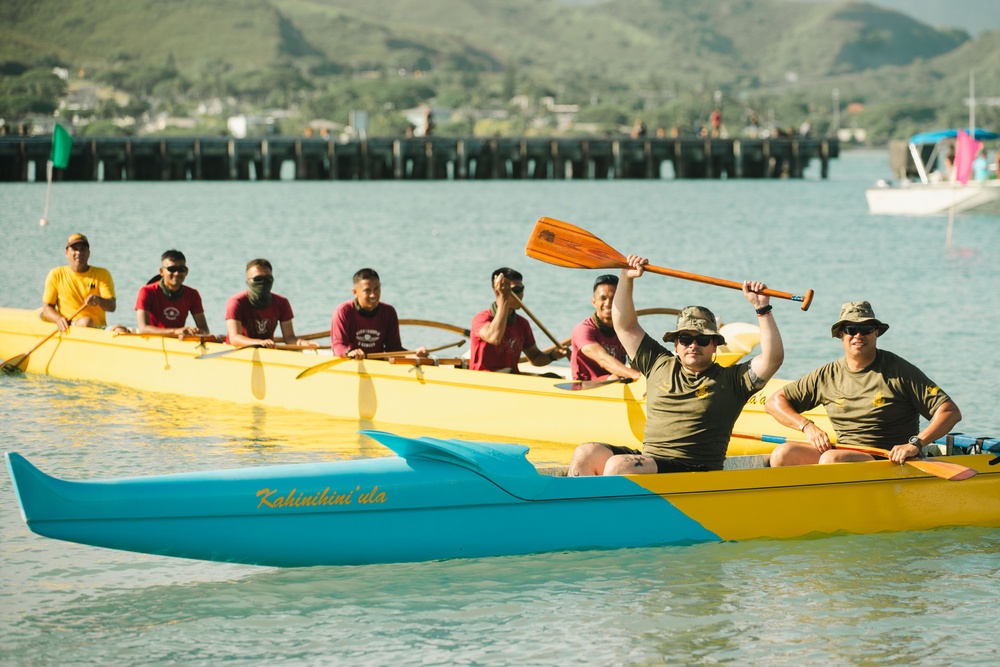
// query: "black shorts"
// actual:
[[663, 463]]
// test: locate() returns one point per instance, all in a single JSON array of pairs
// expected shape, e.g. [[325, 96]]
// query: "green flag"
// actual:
[[61, 144]]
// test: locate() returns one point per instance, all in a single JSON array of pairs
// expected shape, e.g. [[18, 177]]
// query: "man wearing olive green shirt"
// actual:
[[873, 397]]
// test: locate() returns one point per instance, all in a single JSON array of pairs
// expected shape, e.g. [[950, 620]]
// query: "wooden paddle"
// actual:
[[14, 363], [518, 302], [222, 353], [578, 385], [657, 311], [203, 338], [309, 336], [562, 244], [312, 370], [435, 325], [943, 469]]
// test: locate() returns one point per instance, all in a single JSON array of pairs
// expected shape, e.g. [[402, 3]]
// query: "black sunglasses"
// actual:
[[176, 269], [517, 289], [262, 279], [863, 329], [687, 339]]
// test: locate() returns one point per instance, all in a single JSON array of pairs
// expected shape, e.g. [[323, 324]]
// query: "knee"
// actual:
[[589, 459], [779, 456]]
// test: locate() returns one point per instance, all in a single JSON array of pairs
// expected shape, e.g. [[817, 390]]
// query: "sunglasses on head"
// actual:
[[687, 339], [517, 289], [262, 279], [176, 269], [863, 329]]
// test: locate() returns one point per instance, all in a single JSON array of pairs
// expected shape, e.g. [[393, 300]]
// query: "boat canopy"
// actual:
[[978, 134]]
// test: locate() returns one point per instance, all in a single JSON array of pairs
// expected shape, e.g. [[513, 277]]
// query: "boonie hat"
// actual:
[[696, 318], [77, 238], [606, 279], [857, 312]]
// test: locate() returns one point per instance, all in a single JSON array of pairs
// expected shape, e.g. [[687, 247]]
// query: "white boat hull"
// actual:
[[934, 198]]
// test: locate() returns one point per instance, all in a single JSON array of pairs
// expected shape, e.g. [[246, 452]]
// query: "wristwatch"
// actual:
[[916, 442]]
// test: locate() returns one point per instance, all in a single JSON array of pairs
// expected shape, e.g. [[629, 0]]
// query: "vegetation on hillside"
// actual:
[[497, 67]]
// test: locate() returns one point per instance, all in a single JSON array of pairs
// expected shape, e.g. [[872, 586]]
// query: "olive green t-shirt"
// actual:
[[690, 416], [878, 406]]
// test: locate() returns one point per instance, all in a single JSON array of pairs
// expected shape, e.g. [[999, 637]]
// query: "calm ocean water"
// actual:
[[916, 598]]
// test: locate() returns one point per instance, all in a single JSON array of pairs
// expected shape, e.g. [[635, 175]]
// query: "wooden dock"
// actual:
[[432, 158]]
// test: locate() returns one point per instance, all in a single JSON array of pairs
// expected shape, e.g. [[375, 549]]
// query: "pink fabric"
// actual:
[[965, 153]]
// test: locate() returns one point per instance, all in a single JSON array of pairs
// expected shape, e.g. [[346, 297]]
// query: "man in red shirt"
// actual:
[[252, 316], [364, 325], [163, 304], [499, 335], [598, 354]]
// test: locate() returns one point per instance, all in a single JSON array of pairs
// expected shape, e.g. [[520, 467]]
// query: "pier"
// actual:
[[431, 158]]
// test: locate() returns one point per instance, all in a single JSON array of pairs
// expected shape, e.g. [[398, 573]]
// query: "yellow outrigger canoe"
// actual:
[[382, 394]]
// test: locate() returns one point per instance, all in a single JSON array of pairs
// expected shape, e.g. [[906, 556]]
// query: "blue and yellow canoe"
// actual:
[[441, 499]]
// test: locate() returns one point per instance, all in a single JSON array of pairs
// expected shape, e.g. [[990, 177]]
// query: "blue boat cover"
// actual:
[[937, 135]]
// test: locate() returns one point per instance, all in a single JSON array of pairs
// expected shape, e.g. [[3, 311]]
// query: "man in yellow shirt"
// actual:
[[78, 285]]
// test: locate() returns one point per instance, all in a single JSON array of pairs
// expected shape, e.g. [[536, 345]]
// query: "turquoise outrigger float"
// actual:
[[442, 499]]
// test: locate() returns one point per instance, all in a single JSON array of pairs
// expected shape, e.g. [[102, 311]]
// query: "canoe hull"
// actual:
[[451, 499], [383, 395]]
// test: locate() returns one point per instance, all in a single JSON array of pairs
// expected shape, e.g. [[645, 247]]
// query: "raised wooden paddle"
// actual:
[[562, 244], [312, 370], [14, 363], [942, 469]]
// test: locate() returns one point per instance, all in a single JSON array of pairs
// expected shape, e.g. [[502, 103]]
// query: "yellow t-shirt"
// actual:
[[67, 290]]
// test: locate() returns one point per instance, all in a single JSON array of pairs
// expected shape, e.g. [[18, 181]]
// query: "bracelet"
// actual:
[[802, 426], [764, 310]]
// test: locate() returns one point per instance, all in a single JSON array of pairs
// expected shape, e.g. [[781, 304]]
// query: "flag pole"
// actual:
[[48, 194]]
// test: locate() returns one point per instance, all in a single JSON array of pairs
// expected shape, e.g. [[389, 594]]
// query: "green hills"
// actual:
[[617, 59]]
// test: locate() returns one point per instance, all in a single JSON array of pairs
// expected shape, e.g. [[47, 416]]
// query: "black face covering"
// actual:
[[260, 292]]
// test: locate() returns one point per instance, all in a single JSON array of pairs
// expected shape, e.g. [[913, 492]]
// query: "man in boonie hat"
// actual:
[[691, 401], [872, 397], [78, 290], [598, 354]]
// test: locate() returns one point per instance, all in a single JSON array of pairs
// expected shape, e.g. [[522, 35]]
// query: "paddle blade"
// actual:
[[562, 244], [579, 385], [13, 364], [943, 469], [312, 370]]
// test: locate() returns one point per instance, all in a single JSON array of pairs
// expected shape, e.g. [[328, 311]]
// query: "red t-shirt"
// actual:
[[258, 323], [352, 328], [486, 357], [167, 313], [583, 367]]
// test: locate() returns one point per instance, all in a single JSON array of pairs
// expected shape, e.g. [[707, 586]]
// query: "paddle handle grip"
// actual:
[[805, 300]]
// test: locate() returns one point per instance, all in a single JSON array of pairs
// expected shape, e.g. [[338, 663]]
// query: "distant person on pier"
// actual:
[[598, 354], [499, 335], [429, 123], [715, 118], [365, 324], [873, 397], [68, 288], [163, 304], [253, 315], [692, 402], [638, 129]]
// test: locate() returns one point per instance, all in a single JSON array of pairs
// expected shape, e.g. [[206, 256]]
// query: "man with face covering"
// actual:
[[253, 315]]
